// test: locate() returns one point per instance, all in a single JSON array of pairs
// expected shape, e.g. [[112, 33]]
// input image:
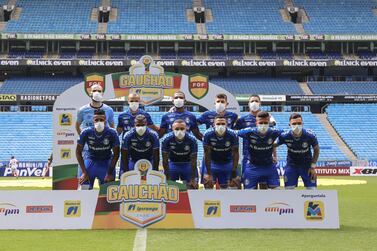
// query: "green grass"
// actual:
[[358, 218]]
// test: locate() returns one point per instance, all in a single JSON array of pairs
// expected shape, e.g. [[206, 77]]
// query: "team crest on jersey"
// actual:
[[213, 143], [289, 144], [94, 79], [91, 142], [198, 85], [254, 141], [304, 145], [172, 147], [134, 144], [148, 144], [187, 148], [227, 144], [106, 141], [270, 141], [142, 195], [229, 120]]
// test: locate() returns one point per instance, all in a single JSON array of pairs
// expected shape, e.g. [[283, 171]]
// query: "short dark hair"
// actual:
[[263, 115], [99, 112], [179, 91], [295, 116], [141, 118], [222, 96], [219, 117], [179, 121], [12, 157], [254, 96]]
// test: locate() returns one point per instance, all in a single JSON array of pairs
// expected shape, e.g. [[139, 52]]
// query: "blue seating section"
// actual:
[[38, 85], [247, 17], [247, 85], [339, 17], [343, 88], [355, 124], [30, 137], [152, 17], [54, 16]]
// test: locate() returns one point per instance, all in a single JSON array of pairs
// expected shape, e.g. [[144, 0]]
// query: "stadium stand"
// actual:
[[343, 87], [38, 85], [54, 16], [152, 17], [247, 85], [245, 17], [339, 17], [355, 125]]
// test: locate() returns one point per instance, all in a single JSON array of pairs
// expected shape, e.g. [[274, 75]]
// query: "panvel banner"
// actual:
[[25, 169], [144, 77]]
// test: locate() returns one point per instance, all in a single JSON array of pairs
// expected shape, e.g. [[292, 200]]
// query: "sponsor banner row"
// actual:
[[8, 98], [186, 37], [363, 171], [25, 169], [47, 209], [189, 63]]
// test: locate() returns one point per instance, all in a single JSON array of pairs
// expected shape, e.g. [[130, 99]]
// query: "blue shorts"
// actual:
[[244, 163], [96, 169], [253, 175], [203, 170], [291, 175], [221, 172], [182, 171]]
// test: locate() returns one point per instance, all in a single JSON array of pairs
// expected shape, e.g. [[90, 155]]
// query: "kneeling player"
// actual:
[[300, 161], [102, 143], [220, 154], [260, 144], [179, 155], [140, 143]]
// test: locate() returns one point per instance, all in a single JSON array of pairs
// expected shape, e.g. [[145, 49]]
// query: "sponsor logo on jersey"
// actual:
[[314, 210]]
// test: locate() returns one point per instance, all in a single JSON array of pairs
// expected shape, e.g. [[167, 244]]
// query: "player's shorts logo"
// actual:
[[65, 119], [72, 208], [198, 86], [142, 194], [212, 208], [65, 153], [94, 79], [314, 210]]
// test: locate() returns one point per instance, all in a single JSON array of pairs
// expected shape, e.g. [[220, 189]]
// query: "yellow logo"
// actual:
[[314, 210], [65, 119], [198, 86], [212, 208], [65, 153], [72, 208], [94, 79]]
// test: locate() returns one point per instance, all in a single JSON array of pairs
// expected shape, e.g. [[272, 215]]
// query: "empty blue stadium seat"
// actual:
[[343, 88]]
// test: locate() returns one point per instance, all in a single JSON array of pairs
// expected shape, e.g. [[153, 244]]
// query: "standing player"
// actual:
[[86, 112], [140, 143], [220, 154], [13, 164], [103, 152], [300, 161], [179, 113], [260, 145], [48, 166], [179, 155]]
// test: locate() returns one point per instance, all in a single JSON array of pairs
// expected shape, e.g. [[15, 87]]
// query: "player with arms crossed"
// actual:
[[179, 113], [140, 143], [103, 152], [179, 155], [260, 144], [220, 154], [300, 161]]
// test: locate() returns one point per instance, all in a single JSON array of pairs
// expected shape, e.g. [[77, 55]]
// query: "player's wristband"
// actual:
[[313, 165]]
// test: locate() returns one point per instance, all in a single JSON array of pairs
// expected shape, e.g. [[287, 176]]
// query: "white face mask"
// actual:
[[220, 129], [134, 106], [262, 128], [179, 102], [99, 126], [297, 129], [180, 134], [220, 107], [254, 106], [96, 96], [140, 130]]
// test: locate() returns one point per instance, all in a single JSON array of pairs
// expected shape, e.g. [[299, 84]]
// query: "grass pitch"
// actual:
[[358, 231]]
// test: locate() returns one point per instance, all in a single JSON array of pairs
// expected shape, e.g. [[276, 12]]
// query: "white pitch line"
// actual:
[[140, 242]]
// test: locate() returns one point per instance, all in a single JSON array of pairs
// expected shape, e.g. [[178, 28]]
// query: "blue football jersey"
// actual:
[[208, 118], [221, 147], [168, 119], [260, 147], [179, 150], [299, 149], [245, 121], [126, 120], [85, 115], [99, 144], [140, 147]]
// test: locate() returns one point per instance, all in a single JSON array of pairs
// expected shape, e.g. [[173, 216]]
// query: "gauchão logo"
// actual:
[[142, 194], [7, 209], [212, 208], [314, 210], [279, 208], [72, 208]]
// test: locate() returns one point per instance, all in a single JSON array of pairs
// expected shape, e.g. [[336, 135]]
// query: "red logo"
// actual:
[[39, 209], [65, 142], [243, 208]]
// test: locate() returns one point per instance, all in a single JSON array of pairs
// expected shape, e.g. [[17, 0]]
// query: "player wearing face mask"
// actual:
[[260, 146], [140, 143], [300, 161], [179, 113], [85, 113], [220, 154], [179, 155], [103, 152]]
